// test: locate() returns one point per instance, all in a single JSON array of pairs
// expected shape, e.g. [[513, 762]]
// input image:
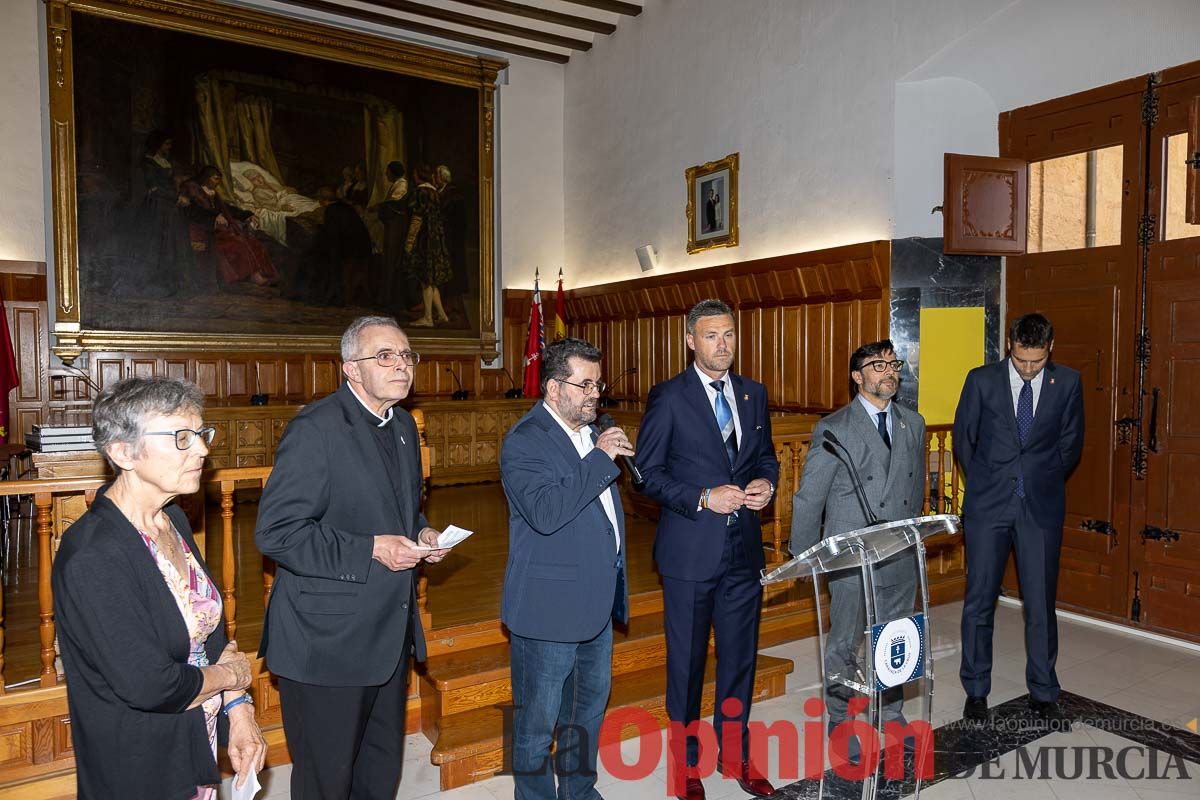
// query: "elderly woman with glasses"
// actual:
[[149, 672]]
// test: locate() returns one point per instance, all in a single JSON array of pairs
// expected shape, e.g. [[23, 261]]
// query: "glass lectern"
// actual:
[[894, 651]]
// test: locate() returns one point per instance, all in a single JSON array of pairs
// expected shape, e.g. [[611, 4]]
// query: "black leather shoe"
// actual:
[[1050, 714], [975, 709]]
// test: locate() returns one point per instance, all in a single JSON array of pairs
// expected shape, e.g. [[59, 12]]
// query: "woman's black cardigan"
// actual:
[[125, 650]]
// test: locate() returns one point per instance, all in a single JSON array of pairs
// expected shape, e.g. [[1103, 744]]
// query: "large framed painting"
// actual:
[[228, 179], [712, 205]]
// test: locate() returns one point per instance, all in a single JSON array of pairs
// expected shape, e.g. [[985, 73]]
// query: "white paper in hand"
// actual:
[[449, 537], [248, 789]]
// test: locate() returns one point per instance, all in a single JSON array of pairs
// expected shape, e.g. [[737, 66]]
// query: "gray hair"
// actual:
[[706, 308], [350, 337], [555, 363], [443, 172], [121, 410]]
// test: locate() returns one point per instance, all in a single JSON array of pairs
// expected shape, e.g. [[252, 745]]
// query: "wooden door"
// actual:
[[1166, 551], [1089, 294]]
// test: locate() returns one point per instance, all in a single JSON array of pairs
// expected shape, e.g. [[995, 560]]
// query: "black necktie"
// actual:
[[882, 416]]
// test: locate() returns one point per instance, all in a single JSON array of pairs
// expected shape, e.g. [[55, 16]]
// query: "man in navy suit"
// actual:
[[706, 455], [564, 583], [1018, 432]]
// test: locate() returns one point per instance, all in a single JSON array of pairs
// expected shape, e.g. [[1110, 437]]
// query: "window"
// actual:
[[1075, 201], [1176, 183]]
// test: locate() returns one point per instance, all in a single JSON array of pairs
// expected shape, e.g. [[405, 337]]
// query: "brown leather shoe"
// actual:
[[693, 790], [752, 781]]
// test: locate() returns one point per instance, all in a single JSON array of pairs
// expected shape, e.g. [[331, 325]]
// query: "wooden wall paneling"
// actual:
[[143, 367], [26, 323], [799, 317], [817, 389], [176, 368], [239, 378], [268, 377], [294, 388], [326, 376], [107, 370], [207, 376]]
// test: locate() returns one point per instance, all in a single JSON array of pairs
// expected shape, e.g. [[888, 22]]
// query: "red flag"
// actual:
[[560, 311], [533, 347], [8, 371]]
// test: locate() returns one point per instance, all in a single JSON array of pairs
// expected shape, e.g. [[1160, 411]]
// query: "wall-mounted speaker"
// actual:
[[647, 257]]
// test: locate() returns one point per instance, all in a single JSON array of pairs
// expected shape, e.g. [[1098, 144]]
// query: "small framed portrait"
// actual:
[[712, 204]]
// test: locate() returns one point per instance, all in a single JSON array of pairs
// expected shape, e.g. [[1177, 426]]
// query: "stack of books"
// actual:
[[59, 438]]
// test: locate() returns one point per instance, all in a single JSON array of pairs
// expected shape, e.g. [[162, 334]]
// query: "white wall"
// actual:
[[530, 172], [840, 110], [22, 230]]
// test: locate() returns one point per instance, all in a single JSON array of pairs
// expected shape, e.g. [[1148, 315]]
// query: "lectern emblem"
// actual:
[[897, 652]]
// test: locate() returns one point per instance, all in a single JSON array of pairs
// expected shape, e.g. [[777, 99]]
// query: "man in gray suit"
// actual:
[[887, 446]]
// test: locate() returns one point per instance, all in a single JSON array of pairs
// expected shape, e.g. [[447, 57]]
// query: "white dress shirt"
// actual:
[[730, 397], [1015, 382], [874, 412], [582, 439]]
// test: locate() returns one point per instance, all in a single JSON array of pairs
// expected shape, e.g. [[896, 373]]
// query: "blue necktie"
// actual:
[[883, 431], [725, 421], [1024, 425]]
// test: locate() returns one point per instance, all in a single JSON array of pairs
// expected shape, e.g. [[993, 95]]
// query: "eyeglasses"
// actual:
[[587, 386], [389, 359], [883, 366], [186, 437]]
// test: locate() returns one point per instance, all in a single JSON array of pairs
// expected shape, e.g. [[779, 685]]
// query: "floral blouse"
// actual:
[[200, 605]]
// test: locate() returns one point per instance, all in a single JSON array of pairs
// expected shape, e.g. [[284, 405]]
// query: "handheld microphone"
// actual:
[[462, 393], [605, 421], [830, 443], [515, 393]]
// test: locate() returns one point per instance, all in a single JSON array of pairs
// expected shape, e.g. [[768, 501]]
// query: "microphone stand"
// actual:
[[515, 393], [606, 400], [831, 442], [462, 393]]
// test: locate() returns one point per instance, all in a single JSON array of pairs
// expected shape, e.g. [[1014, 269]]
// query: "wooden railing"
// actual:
[[941, 494]]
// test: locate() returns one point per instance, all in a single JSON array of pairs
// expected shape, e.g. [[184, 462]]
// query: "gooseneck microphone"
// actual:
[[605, 421], [830, 443]]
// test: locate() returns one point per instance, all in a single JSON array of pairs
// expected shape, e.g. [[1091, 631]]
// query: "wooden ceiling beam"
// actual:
[[389, 21], [472, 21], [611, 6], [543, 15]]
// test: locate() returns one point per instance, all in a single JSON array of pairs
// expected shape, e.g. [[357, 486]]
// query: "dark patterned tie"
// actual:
[[1024, 425], [887, 439], [725, 421]]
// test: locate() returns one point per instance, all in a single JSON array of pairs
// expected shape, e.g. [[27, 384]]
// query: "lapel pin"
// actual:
[[902, 425], [745, 397], [1052, 381], [402, 439]]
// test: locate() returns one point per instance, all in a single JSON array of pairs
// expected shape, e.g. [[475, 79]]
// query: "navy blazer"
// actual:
[[989, 451], [680, 453], [565, 577], [337, 617]]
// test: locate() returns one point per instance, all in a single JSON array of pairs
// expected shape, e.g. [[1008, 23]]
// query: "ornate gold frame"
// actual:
[[246, 26], [694, 174]]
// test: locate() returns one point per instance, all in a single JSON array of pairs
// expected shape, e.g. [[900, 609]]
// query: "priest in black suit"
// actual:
[[341, 518]]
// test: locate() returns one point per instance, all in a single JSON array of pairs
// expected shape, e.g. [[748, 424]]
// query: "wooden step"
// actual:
[[470, 744], [478, 677]]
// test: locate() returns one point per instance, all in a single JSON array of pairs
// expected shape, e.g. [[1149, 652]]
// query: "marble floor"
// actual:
[[1136, 704]]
